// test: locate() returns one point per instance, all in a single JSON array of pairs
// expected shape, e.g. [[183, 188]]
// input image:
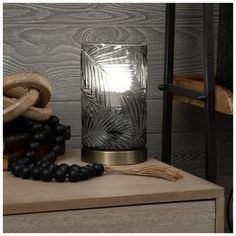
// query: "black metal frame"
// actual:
[[208, 96], [168, 78], [210, 142]]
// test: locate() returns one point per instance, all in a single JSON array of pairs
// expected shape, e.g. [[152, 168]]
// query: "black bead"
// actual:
[[35, 173], [65, 167], [39, 137], [60, 175], [84, 175], [52, 166], [29, 124], [16, 169], [34, 145], [36, 127], [59, 140], [38, 162], [25, 172], [73, 175], [19, 162], [53, 121], [45, 164], [7, 127], [56, 149], [46, 175], [11, 165], [60, 129], [99, 169], [47, 127], [31, 166], [75, 167], [45, 158], [20, 121], [91, 170], [30, 155], [62, 149], [26, 161], [52, 154]]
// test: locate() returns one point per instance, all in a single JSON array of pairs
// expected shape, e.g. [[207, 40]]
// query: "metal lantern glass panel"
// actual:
[[114, 109]]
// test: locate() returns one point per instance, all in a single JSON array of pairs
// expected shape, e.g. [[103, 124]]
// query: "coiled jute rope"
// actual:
[[26, 94]]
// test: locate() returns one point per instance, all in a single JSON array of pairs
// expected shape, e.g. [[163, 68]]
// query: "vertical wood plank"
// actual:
[[220, 202]]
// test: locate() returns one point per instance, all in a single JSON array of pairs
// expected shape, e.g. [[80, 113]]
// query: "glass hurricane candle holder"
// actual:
[[114, 109]]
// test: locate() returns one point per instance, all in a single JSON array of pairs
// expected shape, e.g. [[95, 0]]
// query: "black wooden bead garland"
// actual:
[[45, 168]]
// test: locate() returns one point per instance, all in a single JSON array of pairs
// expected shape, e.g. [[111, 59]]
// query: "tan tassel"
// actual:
[[152, 170]]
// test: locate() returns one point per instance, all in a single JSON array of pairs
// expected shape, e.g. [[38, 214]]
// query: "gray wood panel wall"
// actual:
[[47, 38]]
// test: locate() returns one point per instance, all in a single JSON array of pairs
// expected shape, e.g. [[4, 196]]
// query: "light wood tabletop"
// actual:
[[28, 196]]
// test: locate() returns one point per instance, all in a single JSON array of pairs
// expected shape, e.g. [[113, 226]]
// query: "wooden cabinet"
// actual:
[[113, 203]]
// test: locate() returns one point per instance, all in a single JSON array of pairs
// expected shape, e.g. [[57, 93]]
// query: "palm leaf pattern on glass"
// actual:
[[107, 127], [134, 104]]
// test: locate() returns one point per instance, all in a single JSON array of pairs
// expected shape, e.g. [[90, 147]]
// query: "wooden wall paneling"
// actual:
[[226, 182], [56, 42], [225, 153], [84, 13], [97, 13], [187, 151], [70, 114], [54, 50]]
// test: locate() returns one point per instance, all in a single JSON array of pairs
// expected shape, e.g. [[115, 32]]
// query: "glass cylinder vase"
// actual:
[[114, 109]]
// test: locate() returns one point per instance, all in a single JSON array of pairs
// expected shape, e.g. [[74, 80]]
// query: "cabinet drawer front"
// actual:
[[195, 216]]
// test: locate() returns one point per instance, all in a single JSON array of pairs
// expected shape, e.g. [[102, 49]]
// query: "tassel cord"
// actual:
[[159, 171]]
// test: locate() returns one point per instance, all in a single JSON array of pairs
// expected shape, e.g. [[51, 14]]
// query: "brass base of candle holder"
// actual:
[[114, 157]]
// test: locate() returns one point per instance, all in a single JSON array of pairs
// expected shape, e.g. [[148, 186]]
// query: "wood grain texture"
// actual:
[[219, 210], [54, 51], [223, 96], [46, 38], [101, 192], [196, 216], [142, 14]]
